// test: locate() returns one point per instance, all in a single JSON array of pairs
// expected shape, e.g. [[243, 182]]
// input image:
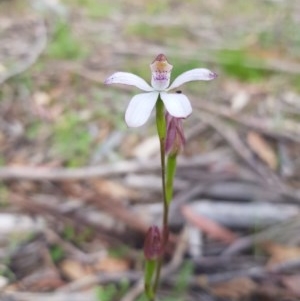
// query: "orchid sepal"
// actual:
[[192, 75], [130, 79]]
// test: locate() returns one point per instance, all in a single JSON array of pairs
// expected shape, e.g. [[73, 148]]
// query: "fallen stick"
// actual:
[[229, 191], [254, 272], [285, 232], [123, 167], [75, 219], [61, 296], [244, 215], [12, 223], [266, 126]]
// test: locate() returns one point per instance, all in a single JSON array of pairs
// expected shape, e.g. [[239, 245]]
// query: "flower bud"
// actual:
[[175, 139], [153, 243]]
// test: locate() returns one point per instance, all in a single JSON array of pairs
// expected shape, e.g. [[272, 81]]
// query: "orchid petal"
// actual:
[[178, 105], [160, 80], [192, 75], [127, 78], [140, 108], [161, 73]]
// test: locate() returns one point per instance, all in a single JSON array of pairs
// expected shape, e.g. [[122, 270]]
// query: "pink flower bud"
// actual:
[[175, 139], [153, 243]]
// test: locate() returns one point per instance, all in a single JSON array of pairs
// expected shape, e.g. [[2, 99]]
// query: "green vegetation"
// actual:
[[183, 278], [77, 236], [2, 163], [109, 107], [95, 8], [33, 130], [295, 80], [238, 63], [4, 193], [112, 292], [71, 140], [155, 33], [64, 45], [69, 232], [23, 81], [56, 253], [5, 271], [181, 284], [155, 7], [120, 252]]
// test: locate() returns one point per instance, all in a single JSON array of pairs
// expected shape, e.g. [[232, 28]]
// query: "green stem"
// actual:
[[161, 130], [150, 268], [171, 170], [160, 120]]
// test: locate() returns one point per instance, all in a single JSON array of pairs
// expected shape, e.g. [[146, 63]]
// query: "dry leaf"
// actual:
[[208, 226], [114, 189], [280, 253], [41, 98], [111, 264], [235, 289], [262, 149], [239, 101], [73, 269]]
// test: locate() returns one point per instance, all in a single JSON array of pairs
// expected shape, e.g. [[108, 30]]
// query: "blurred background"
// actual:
[[79, 189]]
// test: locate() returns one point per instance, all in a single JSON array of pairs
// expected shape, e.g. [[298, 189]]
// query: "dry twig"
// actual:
[[123, 167]]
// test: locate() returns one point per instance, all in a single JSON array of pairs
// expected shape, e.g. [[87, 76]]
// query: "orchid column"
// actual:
[[171, 109]]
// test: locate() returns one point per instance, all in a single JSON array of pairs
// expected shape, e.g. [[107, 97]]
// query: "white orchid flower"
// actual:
[[141, 105]]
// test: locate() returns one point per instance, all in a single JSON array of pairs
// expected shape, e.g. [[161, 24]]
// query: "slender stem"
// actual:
[[161, 130], [171, 170], [163, 176], [150, 268]]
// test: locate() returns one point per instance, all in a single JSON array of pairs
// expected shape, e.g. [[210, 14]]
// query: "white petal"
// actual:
[[191, 75], [160, 80], [176, 104], [140, 108], [128, 79]]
